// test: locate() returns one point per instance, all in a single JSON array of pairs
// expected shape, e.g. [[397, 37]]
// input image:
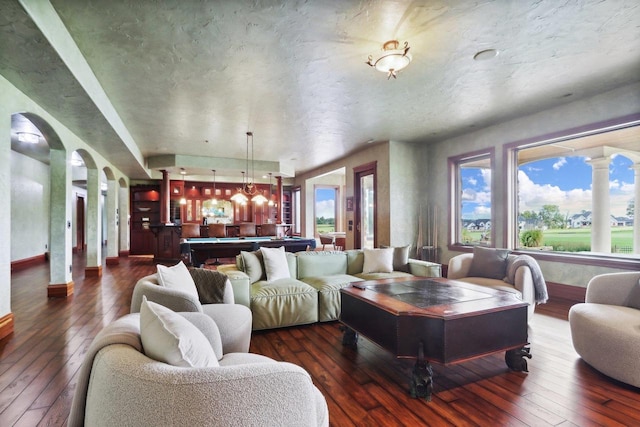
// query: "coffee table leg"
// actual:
[[516, 359], [349, 337], [421, 384]]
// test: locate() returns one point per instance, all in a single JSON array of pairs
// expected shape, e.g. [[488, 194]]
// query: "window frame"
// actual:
[[510, 160], [455, 193]]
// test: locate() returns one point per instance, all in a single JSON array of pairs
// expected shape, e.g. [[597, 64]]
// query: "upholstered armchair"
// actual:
[[120, 384], [605, 329], [232, 315], [504, 274]]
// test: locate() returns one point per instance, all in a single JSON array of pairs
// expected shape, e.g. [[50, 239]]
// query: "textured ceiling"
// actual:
[[191, 77]]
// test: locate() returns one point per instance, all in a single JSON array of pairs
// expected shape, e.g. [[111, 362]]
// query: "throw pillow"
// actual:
[[275, 263], [400, 258], [633, 300], [378, 260], [177, 277], [489, 262], [170, 338], [252, 263]]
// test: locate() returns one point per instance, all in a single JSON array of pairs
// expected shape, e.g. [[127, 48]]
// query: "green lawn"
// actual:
[[325, 228], [579, 239]]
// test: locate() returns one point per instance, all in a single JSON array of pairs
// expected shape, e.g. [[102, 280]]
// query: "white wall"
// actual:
[[29, 208]]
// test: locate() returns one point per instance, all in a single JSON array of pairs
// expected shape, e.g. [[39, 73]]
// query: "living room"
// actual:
[[413, 178]]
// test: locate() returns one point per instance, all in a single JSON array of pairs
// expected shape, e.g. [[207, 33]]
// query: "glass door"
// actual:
[[365, 206]]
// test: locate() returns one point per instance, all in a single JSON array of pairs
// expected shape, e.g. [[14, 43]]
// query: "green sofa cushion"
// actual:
[[314, 264]]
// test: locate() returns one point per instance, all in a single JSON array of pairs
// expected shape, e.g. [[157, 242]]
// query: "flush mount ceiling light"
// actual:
[[392, 59]]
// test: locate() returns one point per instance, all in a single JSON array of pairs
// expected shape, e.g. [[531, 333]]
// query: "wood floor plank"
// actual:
[[39, 365]]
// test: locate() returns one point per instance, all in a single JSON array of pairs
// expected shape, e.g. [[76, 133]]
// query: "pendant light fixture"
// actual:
[[183, 200], [214, 201], [271, 202], [248, 183]]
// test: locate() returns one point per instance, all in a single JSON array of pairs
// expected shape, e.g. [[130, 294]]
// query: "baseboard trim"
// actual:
[[62, 290], [112, 260], [123, 254], [93, 271], [566, 292], [6, 325], [22, 264]]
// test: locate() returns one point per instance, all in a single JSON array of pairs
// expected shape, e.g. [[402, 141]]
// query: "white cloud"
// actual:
[[325, 208], [482, 212], [533, 196], [472, 181], [561, 162], [469, 195], [486, 176]]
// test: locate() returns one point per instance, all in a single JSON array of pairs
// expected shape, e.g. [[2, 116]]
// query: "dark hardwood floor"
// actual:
[[365, 387]]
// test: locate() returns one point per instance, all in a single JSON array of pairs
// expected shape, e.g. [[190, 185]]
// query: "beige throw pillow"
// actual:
[[177, 277], [378, 260], [170, 338], [275, 263]]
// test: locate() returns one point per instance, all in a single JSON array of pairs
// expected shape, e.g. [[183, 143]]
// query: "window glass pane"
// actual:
[[325, 210], [576, 197], [474, 216]]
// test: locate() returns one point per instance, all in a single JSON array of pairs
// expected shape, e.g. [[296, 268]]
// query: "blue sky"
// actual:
[[563, 181], [325, 204]]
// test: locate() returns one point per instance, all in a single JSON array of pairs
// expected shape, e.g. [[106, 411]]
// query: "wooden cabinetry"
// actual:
[[145, 210]]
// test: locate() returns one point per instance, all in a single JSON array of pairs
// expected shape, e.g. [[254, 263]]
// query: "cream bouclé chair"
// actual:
[[606, 331], [233, 317], [119, 385], [522, 286]]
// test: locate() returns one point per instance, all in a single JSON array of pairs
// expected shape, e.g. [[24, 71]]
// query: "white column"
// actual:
[[636, 209], [60, 237], [112, 228], [123, 219], [94, 223], [601, 209]]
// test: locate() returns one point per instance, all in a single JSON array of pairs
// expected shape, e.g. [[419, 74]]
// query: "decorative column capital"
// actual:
[[600, 162]]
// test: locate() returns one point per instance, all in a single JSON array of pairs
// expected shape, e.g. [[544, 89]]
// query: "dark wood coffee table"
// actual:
[[435, 320]]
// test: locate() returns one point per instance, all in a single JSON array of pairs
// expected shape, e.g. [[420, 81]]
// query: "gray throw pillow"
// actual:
[[489, 262], [633, 300], [253, 265]]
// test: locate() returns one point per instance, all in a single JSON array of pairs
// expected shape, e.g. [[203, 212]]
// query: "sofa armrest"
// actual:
[[424, 268], [459, 266], [239, 281], [611, 288], [280, 393], [171, 298]]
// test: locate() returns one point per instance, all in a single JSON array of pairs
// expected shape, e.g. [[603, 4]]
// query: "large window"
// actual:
[[577, 194], [471, 185]]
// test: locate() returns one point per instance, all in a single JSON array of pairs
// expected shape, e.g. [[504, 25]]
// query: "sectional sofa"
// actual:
[[309, 290]]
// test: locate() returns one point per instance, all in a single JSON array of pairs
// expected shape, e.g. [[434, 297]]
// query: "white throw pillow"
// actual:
[[170, 338], [275, 263], [177, 277], [378, 260]]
